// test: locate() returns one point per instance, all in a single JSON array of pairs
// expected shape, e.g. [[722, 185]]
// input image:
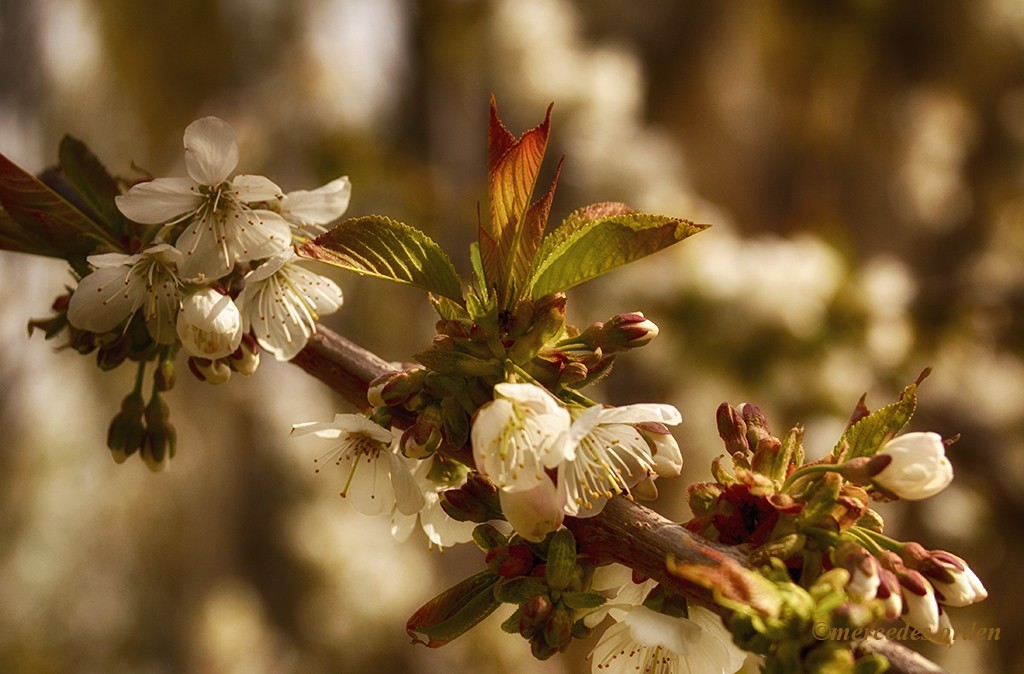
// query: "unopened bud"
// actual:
[[210, 371], [422, 439], [394, 388], [548, 324], [757, 424], [732, 429], [702, 498], [540, 649], [622, 332], [246, 358], [114, 353], [572, 373], [558, 629], [124, 436], [164, 377], [510, 561], [535, 612], [158, 446]]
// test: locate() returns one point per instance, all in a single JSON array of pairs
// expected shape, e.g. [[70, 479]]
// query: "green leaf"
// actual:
[[867, 436], [41, 222], [93, 183], [453, 612], [582, 600], [590, 243], [520, 589], [378, 246]]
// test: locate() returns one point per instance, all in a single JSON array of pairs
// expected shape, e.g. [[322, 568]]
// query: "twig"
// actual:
[[625, 531]]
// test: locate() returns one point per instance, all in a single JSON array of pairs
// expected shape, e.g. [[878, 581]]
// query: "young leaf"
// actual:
[[453, 612], [865, 437], [378, 246], [93, 183], [508, 248], [42, 222], [584, 247]]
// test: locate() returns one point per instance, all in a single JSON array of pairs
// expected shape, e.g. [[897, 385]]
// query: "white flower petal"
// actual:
[[533, 513], [105, 298], [211, 150], [249, 188], [408, 495], [369, 483], [317, 207], [258, 234], [634, 414], [159, 200]]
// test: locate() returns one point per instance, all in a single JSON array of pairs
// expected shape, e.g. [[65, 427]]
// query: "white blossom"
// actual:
[[221, 227], [919, 467], [519, 434], [609, 455], [376, 479], [209, 325], [282, 302], [308, 211], [651, 642], [121, 285], [440, 528]]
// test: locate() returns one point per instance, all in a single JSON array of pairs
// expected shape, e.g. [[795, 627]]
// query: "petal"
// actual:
[[320, 206], [250, 188], [162, 308], [257, 235], [211, 150], [634, 414], [202, 247], [369, 487], [533, 513], [105, 298], [159, 200], [402, 525], [408, 496], [321, 429], [112, 260]]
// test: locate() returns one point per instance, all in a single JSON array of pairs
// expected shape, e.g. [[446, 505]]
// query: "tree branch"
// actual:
[[624, 532]]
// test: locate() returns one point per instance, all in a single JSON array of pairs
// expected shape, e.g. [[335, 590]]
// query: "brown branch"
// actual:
[[624, 532]]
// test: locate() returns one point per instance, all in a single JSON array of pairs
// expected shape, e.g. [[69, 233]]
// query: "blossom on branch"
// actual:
[[518, 434], [221, 227], [648, 641], [121, 285], [376, 478], [282, 302], [609, 454]]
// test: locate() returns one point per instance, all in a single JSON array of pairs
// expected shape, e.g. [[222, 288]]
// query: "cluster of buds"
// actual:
[[814, 519], [548, 582]]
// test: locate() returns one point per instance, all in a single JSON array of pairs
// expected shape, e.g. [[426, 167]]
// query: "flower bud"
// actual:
[[732, 429], [954, 582], [210, 371], [164, 377], [757, 424], [703, 497], [209, 324], [622, 332], [510, 561], [124, 436], [919, 466], [864, 570], [668, 460], [394, 388], [158, 445], [113, 353], [246, 358], [535, 613], [558, 629]]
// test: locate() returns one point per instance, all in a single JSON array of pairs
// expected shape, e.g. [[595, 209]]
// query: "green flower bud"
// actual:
[[394, 388], [558, 629], [125, 434], [732, 429]]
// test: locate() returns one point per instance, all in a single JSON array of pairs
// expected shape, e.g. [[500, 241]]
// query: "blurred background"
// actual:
[[862, 163]]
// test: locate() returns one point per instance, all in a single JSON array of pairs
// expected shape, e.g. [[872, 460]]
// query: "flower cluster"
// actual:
[[215, 275]]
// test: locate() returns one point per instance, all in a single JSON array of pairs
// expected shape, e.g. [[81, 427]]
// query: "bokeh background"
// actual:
[[862, 163]]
